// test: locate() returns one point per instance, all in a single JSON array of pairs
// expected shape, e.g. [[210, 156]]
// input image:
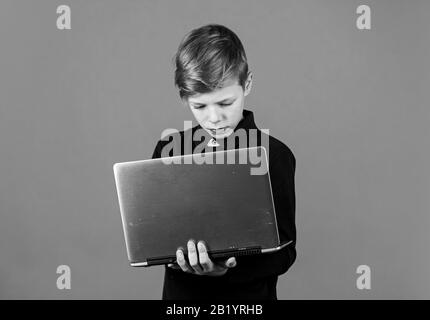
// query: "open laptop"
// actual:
[[165, 202]]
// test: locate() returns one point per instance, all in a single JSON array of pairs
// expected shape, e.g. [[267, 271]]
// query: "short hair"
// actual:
[[206, 58]]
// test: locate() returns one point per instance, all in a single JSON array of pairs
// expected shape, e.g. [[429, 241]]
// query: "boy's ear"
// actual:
[[248, 84]]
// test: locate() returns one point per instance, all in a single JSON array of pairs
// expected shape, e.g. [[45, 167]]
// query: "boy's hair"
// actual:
[[206, 58]]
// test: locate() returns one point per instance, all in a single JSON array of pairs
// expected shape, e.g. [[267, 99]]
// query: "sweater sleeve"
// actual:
[[282, 171]]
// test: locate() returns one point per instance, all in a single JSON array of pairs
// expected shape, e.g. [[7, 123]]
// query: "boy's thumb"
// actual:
[[231, 262]]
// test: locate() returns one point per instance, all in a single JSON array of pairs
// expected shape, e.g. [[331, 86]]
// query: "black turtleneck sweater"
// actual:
[[254, 277]]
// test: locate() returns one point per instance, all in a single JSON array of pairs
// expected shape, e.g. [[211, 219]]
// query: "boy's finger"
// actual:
[[182, 262], [231, 262], [192, 257], [204, 259]]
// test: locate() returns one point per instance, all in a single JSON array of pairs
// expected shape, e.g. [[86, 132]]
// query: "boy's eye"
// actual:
[[199, 106]]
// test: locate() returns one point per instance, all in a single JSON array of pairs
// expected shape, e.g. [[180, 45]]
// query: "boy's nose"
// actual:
[[214, 116]]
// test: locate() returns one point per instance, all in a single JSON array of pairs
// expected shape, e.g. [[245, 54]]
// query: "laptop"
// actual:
[[211, 196]]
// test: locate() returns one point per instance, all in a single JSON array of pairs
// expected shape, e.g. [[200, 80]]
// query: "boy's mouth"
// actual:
[[219, 130]]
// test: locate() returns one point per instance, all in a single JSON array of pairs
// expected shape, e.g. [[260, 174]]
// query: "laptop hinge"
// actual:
[[160, 260], [236, 252], [281, 246]]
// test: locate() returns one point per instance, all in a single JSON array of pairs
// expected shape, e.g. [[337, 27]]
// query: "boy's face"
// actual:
[[219, 112]]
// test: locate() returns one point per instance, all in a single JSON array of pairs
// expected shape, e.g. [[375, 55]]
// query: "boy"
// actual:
[[213, 80]]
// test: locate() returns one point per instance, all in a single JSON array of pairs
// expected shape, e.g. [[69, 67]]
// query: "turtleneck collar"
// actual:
[[247, 121]]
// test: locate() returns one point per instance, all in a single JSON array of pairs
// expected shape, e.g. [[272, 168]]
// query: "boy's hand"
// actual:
[[199, 261]]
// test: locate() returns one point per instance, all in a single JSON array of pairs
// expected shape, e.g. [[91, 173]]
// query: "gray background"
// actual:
[[352, 105]]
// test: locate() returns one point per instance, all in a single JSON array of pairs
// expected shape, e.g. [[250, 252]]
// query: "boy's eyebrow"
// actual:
[[221, 101]]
